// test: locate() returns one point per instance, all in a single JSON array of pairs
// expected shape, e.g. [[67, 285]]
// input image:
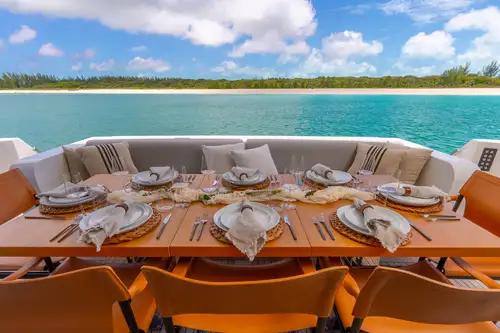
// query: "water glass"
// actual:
[[397, 176], [119, 168], [77, 178], [289, 188], [367, 175]]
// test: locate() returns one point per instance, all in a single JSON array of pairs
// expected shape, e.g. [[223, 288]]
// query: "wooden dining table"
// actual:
[[30, 237]]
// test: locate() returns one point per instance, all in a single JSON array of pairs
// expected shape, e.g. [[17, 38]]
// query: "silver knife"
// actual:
[[287, 221], [164, 224], [322, 220]]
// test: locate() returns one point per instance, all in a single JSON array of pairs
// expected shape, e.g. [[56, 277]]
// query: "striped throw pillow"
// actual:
[[105, 158], [376, 158]]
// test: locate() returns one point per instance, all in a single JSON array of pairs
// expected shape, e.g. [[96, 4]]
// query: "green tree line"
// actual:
[[457, 77]]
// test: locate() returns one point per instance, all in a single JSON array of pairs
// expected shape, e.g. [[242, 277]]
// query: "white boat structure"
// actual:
[[448, 172]]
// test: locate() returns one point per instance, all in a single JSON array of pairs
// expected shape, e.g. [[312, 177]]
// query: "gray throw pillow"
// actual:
[[219, 157], [256, 158], [75, 163]]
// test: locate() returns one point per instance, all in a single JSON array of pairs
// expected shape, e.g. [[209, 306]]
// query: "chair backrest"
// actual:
[[395, 293], [79, 301], [16, 194], [311, 293], [482, 195]]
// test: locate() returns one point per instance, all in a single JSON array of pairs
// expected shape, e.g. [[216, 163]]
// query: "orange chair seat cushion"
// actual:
[[345, 304], [488, 266], [269, 323]]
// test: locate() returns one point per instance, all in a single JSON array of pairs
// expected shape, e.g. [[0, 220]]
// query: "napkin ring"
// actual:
[[122, 205], [243, 174], [407, 191], [243, 207], [365, 206], [156, 174], [327, 172]]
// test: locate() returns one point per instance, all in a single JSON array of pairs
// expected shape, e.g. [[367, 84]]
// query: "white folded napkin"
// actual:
[[390, 236], [244, 173], [247, 233], [155, 174], [58, 192], [423, 192], [325, 172], [96, 231]]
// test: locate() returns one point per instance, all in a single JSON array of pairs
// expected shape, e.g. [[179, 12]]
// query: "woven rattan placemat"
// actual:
[[138, 232], [48, 210], [218, 233], [358, 237], [233, 187], [410, 209]]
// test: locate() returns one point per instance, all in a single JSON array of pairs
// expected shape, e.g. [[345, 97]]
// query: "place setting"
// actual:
[[411, 198], [72, 197], [243, 179], [157, 177], [248, 226], [113, 224], [321, 176], [373, 225]]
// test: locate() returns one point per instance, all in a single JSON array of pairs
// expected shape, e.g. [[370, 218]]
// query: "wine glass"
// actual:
[[289, 188], [77, 178], [119, 168], [205, 170], [397, 175]]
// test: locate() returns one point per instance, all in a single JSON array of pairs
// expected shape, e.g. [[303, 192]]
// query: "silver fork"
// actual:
[[191, 179], [204, 219], [195, 225], [65, 231]]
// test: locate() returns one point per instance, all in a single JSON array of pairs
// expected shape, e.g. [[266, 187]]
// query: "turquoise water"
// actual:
[[439, 122]]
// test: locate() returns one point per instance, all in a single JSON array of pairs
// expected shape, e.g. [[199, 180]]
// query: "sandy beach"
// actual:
[[423, 91]]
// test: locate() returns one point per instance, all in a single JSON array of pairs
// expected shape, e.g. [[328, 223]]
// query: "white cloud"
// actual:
[[270, 43], [335, 56], [438, 45], [486, 47], [427, 10], [1, 45], [417, 71], [208, 22], [77, 67], [50, 50], [156, 65], [22, 35], [103, 66], [86, 54], [139, 48], [342, 45], [230, 68]]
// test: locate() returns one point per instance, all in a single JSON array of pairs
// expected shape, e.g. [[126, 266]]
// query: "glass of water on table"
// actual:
[[206, 171]]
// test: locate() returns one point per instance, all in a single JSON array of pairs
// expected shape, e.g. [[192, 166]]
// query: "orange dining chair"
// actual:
[[16, 196], [223, 298], [416, 298], [482, 195], [78, 297]]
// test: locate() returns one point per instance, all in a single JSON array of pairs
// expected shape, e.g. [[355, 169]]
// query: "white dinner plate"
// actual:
[[354, 219], [258, 178], [47, 201], [226, 216], [137, 214], [341, 176], [162, 181], [405, 200]]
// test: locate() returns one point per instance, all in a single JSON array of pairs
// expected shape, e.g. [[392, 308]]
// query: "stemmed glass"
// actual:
[[118, 168], [289, 188], [205, 170], [77, 178], [178, 184]]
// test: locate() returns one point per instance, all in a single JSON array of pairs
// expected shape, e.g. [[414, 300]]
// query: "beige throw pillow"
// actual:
[[219, 157], [412, 163], [99, 159], [75, 163], [256, 158], [380, 160]]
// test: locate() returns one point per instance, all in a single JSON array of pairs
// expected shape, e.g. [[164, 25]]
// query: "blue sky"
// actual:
[[247, 38]]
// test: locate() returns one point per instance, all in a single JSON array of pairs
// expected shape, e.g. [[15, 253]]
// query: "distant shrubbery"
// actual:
[[457, 77]]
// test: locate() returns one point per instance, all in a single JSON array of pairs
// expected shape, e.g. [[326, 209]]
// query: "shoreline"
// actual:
[[325, 91]]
